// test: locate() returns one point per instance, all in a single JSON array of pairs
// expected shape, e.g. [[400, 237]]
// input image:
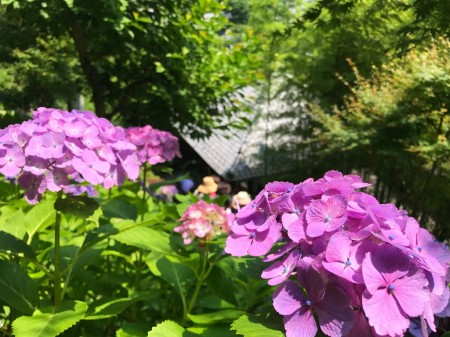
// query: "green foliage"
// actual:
[[392, 129], [146, 238], [168, 328], [17, 289], [12, 245], [106, 308], [430, 18], [330, 33], [179, 276], [80, 206], [396, 125], [172, 329], [50, 321], [257, 326], [132, 330], [39, 218], [216, 316], [212, 330], [74, 266], [12, 221], [168, 63], [119, 208]]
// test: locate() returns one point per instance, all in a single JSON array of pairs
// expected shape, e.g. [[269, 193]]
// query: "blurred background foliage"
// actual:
[[365, 83], [168, 63]]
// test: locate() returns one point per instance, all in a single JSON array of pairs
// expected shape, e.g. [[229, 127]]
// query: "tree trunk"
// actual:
[[89, 71]]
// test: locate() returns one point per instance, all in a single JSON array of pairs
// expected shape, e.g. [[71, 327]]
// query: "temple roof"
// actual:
[[256, 151]]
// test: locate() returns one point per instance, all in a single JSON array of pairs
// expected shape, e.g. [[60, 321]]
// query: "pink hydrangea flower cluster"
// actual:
[[204, 221], [361, 267], [56, 150], [153, 146]]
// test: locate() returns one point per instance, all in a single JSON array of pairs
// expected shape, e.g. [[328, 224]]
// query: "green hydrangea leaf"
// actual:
[[147, 238], [222, 330], [169, 328], [17, 289], [132, 330], [216, 316], [10, 244], [50, 321], [257, 326], [80, 206], [39, 217], [119, 208]]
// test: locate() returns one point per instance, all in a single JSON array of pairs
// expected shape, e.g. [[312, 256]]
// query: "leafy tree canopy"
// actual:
[[167, 63], [396, 124]]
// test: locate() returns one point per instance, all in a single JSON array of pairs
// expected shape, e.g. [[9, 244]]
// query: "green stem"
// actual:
[[201, 277], [185, 310], [137, 280], [144, 188], [144, 181], [57, 272], [66, 282]]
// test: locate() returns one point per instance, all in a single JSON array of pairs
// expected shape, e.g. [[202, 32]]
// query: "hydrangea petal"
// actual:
[[300, 324], [383, 313], [335, 314], [288, 298], [410, 293]]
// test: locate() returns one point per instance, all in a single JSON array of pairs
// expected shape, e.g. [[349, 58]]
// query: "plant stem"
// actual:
[[57, 262], [144, 188], [201, 277], [140, 252], [137, 280], [144, 180]]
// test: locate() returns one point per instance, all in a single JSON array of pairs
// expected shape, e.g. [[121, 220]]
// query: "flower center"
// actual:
[[327, 219], [391, 237], [252, 235], [420, 248], [390, 287], [348, 263], [308, 303]]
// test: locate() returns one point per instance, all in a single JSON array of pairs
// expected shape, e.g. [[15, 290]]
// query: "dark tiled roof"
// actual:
[[241, 154]]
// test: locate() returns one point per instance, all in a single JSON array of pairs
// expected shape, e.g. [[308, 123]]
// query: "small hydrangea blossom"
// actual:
[[361, 267], [204, 221], [153, 146], [57, 150]]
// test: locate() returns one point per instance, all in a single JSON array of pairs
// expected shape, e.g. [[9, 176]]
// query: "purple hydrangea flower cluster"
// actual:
[[204, 221], [363, 268], [56, 150], [153, 146]]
